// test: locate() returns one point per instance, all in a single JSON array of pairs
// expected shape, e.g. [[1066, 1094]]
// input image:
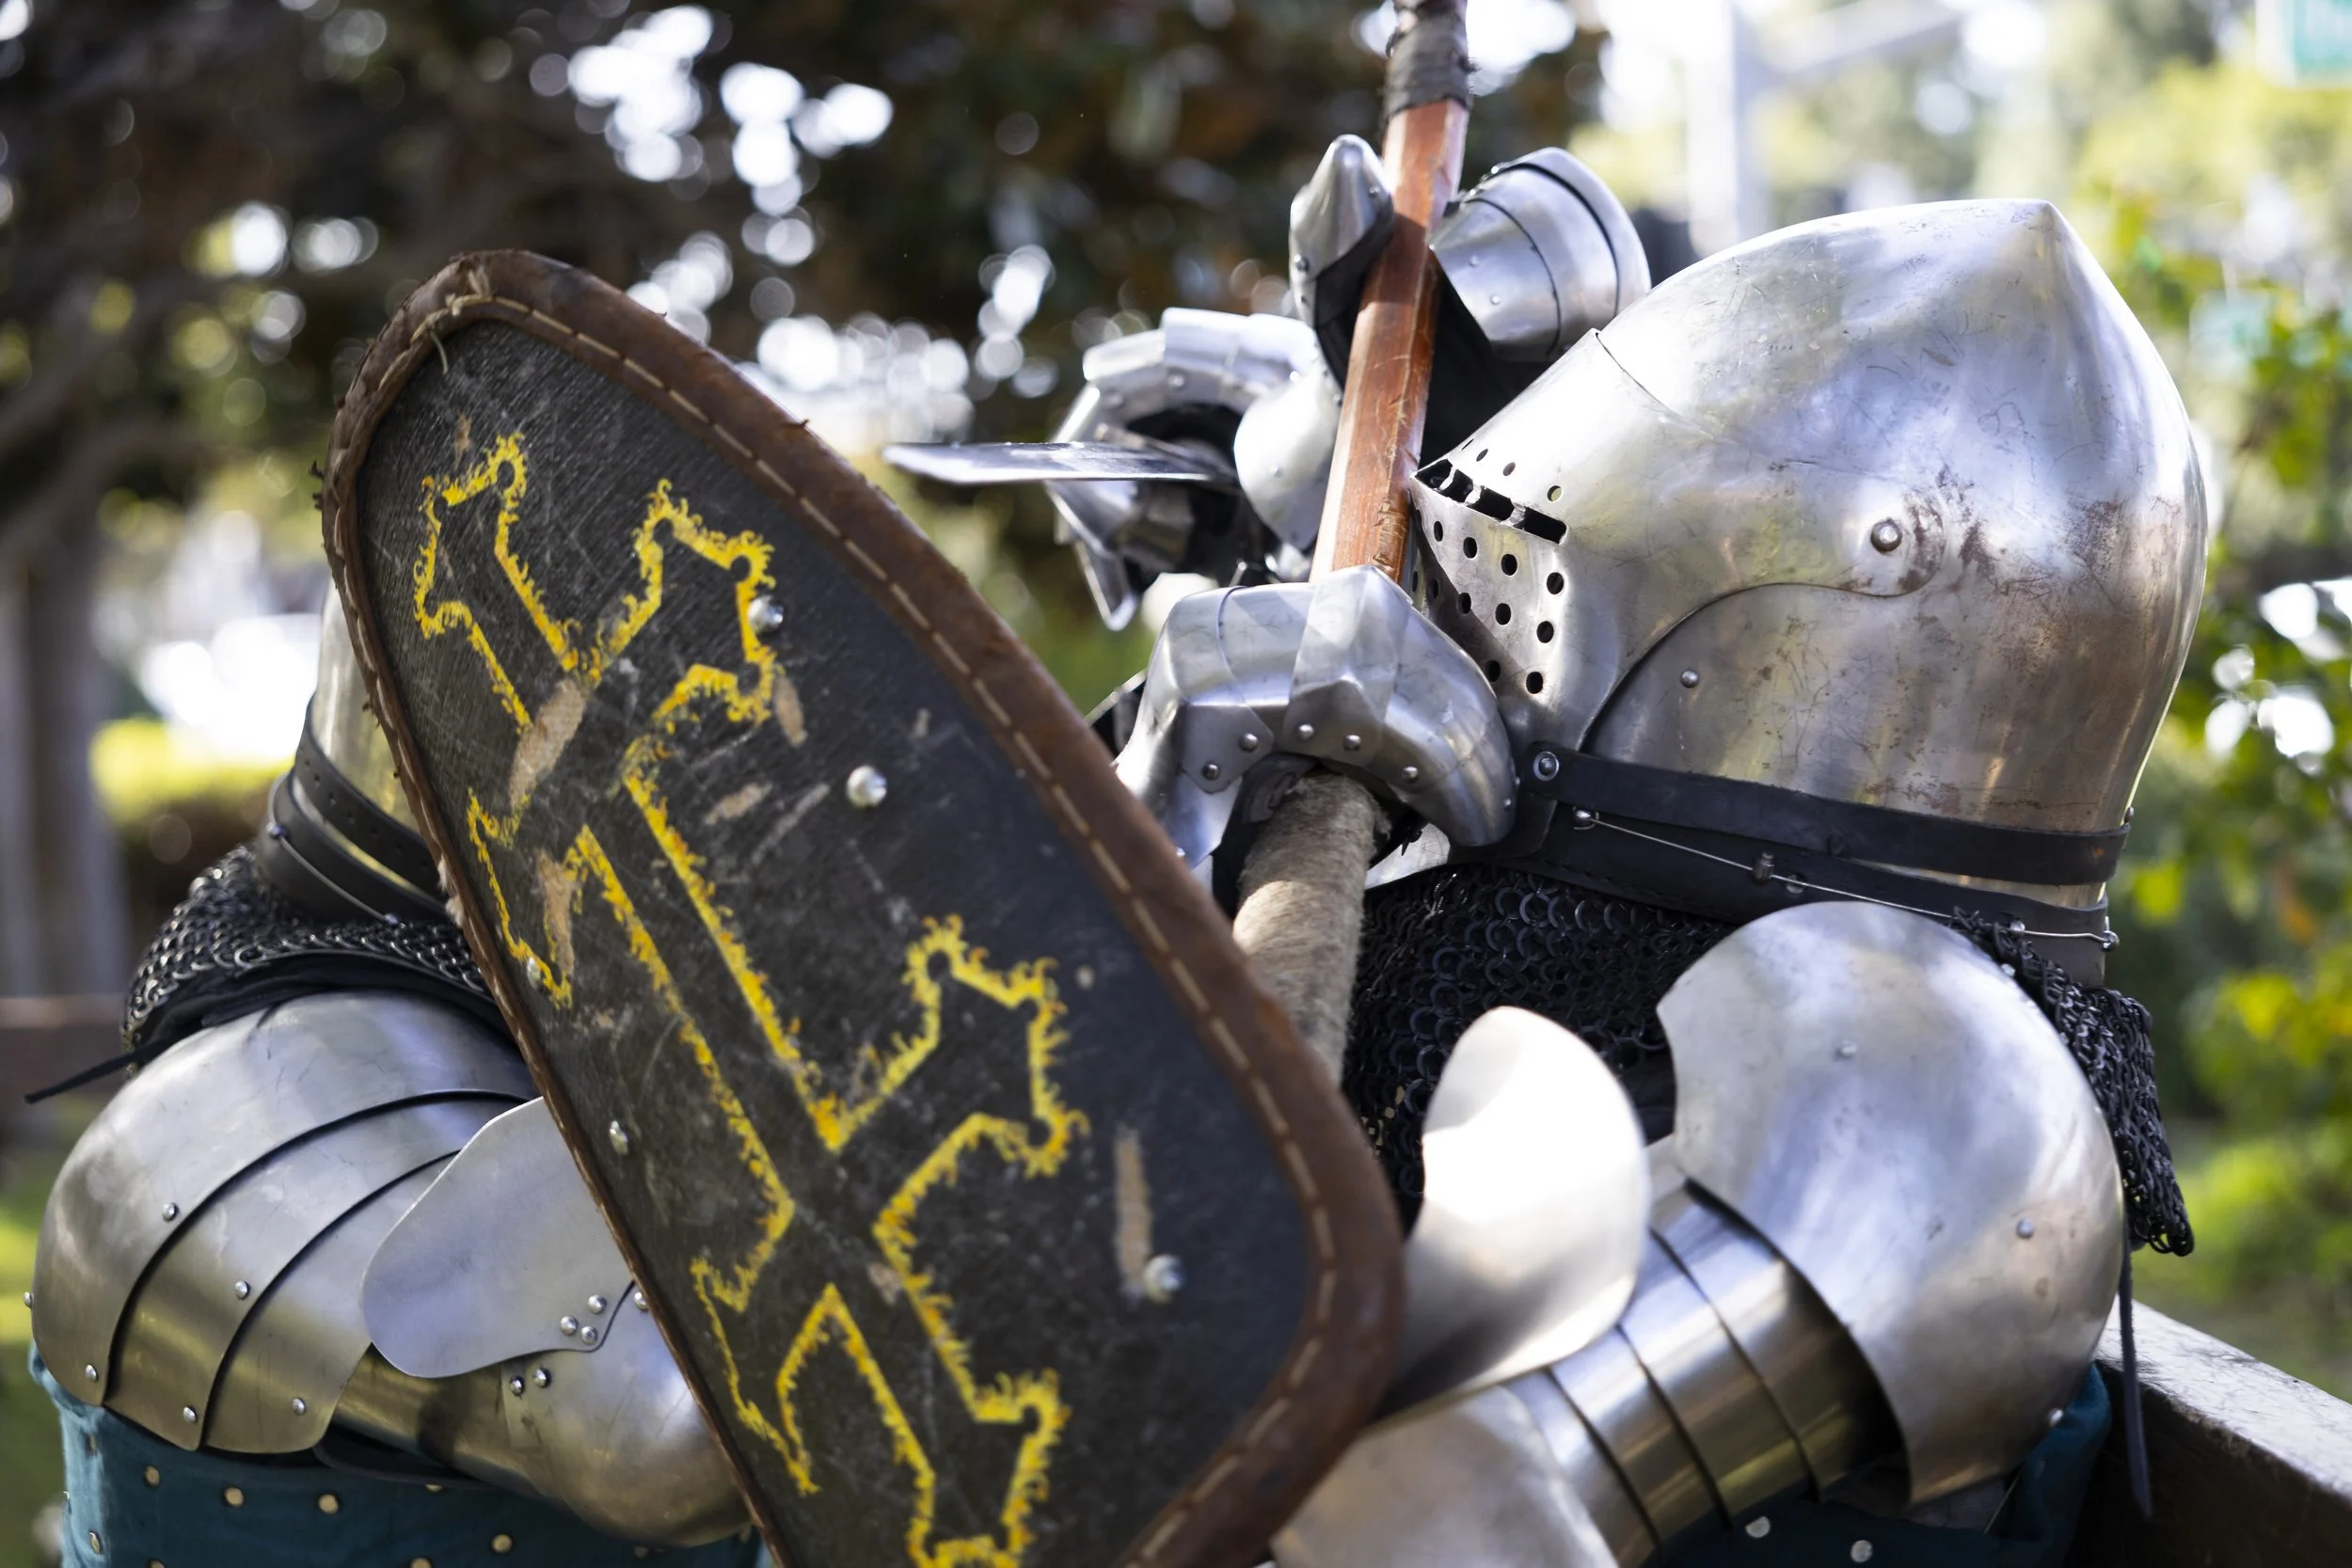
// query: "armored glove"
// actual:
[[1535, 256], [1247, 684]]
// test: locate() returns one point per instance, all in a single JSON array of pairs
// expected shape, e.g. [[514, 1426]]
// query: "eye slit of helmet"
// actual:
[[1555, 584], [1458, 486], [1436, 474], [1510, 564], [1502, 615], [1498, 507], [1543, 631], [1535, 683], [1549, 528]]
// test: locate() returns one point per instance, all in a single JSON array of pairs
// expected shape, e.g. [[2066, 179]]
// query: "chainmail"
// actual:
[[1441, 949], [233, 936], [2107, 1032]]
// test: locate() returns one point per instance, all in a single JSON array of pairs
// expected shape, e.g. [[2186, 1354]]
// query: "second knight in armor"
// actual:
[[1776, 656]]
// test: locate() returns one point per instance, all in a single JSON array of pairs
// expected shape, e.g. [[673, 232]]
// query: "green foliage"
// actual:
[[2236, 901]]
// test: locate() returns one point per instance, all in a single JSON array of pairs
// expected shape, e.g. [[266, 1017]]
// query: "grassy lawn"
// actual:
[[31, 1469]]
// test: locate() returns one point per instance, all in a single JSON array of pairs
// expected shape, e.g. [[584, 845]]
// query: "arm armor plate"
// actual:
[[1888, 1226], [202, 1256]]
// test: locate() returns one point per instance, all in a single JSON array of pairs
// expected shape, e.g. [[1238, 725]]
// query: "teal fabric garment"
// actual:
[[135, 1501], [2035, 1531]]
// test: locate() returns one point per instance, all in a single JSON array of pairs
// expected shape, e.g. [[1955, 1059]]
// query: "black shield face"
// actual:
[[991, 1208]]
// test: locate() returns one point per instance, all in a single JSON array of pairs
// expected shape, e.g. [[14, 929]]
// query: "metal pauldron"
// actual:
[[1542, 252], [1844, 1071], [1343, 672], [182, 1238], [202, 1257]]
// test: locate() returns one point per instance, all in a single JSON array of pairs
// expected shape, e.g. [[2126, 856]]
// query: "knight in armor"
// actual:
[[322, 1285], [1773, 665]]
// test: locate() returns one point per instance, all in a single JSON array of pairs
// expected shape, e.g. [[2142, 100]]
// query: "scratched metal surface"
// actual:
[[907, 1111]]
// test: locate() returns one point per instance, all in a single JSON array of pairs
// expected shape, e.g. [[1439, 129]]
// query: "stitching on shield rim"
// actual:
[[1296, 1365]]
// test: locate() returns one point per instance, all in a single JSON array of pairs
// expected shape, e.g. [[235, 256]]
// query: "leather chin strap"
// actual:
[[1735, 850]]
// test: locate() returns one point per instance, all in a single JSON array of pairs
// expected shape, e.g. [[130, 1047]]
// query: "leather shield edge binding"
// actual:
[[1338, 1360]]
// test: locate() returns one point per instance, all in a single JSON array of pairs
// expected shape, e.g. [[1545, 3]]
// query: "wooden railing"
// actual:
[[44, 1039], [2248, 1467]]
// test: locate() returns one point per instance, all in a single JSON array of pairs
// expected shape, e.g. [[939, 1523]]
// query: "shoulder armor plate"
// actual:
[[504, 1252], [277, 1392], [1875, 1097], [250, 1097]]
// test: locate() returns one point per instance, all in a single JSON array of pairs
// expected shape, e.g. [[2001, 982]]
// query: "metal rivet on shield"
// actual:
[[867, 788], [90, 1372], [514, 1387], [187, 1414], [242, 1289], [539, 1378], [2024, 1230], [597, 1305], [1163, 1276], [1211, 771], [536, 973], [1351, 742], [1886, 535], [637, 1298], [1306, 731], [1689, 678], [1412, 773], [568, 1326], [171, 1211], [617, 1136], [301, 1405], [1546, 766], [588, 1336], [764, 618], [1249, 740]]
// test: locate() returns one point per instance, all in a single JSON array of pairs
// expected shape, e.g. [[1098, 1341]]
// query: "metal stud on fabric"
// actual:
[[232, 1496]]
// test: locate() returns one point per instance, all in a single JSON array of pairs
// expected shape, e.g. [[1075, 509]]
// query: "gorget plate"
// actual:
[[995, 1213]]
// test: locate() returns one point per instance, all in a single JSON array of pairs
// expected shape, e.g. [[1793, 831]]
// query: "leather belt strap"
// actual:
[[1809, 822], [399, 848]]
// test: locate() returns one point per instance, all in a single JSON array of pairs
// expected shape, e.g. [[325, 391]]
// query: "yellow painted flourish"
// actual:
[[755, 693]]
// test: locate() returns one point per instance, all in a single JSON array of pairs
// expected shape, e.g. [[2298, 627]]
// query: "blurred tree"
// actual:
[[2222, 197], [207, 207]]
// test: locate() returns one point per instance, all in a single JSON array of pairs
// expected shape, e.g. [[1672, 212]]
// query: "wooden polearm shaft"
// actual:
[[1302, 910]]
